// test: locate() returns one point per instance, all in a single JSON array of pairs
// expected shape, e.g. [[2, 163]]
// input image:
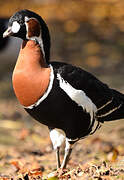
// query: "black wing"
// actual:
[[109, 102]]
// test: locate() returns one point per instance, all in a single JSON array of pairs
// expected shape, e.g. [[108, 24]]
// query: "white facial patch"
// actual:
[[78, 96], [15, 27]]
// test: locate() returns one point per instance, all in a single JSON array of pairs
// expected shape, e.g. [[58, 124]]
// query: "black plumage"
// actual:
[[76, 99], [66, 114]]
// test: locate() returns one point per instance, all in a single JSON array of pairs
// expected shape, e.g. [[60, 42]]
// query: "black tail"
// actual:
[[114, 109]]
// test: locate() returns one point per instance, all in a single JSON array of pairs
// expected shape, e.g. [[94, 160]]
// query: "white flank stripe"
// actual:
[[46, 93], [57, 137], [111, 111], [79, 97], [105, 104]]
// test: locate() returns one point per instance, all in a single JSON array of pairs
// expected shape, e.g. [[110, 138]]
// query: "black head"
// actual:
[[28, 25]]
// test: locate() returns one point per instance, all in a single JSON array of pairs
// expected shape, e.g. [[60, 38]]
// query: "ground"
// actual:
[[26, 151]]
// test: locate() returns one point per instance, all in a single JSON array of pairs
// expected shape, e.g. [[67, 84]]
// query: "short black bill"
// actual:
[[8, 32]]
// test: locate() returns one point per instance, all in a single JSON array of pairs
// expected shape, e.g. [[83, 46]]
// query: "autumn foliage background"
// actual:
[[89, 34]]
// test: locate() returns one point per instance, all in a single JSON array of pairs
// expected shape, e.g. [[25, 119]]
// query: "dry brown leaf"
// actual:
[[16, 164], [113, 155], [35, 172]]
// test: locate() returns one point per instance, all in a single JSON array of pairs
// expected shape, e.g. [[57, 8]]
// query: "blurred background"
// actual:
[[86, 33]]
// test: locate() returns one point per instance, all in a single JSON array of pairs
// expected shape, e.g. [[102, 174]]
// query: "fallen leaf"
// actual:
[[53, 178], [35, 172], [113, 155], [16, 164]]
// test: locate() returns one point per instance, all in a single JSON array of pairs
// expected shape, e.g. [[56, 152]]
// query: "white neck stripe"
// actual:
[[46, 93], [34, 38], [40, 42]]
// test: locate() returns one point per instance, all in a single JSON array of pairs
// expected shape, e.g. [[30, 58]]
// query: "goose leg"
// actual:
[[57, 139], [58, 157], [68, 150]]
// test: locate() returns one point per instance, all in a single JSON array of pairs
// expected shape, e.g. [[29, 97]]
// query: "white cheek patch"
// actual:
[[15, 27], [78, 96]]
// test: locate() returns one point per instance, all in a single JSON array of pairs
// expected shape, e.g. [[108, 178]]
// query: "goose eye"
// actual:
[[15, 27]]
